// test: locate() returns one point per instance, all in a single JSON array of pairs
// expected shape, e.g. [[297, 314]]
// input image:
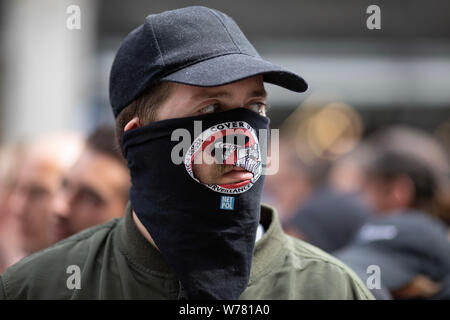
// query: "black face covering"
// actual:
[[205, 232]]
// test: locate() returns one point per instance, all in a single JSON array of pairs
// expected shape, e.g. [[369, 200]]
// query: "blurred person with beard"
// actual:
[[408, 244], [10, 248], [45, 161], [95, 190]]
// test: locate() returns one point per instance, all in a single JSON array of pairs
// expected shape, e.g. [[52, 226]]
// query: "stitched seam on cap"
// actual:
[[228, 32], [157, 44]]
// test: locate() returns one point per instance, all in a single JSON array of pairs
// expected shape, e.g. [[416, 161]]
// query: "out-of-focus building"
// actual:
[[396, 74]]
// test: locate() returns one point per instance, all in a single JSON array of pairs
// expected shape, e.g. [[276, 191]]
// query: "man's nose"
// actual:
[[60, 204]]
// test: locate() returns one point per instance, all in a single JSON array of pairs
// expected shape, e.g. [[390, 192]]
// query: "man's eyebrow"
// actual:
[[219, 94], [87, 190], [258, 93], [225, 94]]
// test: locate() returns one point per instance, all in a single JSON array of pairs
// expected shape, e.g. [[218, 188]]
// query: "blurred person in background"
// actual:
[[408, 245], [291, 186], [45, 161], [399, 182], [329, 219], [10, 248], [312, 210], [415, 142], [348, 173], [95, 190], [418, 144]]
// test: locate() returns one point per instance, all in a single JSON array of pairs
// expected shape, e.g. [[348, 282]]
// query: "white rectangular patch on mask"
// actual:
[[227, 203]]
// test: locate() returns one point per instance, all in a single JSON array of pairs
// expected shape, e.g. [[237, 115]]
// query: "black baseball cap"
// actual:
[[403, 246], [194, 45]]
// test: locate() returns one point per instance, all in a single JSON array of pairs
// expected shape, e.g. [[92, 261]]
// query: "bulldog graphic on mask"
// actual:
[[229, 143]]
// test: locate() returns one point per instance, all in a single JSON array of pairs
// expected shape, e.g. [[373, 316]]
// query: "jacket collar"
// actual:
[[143, 253], [138, 249], [270, 246]]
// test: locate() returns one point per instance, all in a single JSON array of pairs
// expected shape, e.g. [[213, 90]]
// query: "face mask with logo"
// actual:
[[206, 232]]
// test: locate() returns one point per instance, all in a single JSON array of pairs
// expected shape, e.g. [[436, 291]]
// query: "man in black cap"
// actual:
[[195, 227], [410, 252]]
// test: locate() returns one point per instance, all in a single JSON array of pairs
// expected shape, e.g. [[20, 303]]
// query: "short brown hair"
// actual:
[[144, 107], [391, 164], [103, 141]]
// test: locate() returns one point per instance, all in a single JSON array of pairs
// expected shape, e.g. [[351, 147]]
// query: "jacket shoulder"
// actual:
[[44, 274], [332, 278], [301, 271]]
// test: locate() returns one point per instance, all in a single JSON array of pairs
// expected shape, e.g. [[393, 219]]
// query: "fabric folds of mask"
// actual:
[[206, 236]]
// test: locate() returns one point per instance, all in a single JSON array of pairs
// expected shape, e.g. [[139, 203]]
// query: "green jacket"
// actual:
[[116, 262]]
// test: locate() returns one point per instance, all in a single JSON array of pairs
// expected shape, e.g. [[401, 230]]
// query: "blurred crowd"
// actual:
[[380, 203], [57, 185]]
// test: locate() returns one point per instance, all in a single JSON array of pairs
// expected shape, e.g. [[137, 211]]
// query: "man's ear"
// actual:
[[132, 124]]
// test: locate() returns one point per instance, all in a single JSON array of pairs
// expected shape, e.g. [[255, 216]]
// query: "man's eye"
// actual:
[[209, 108], [258, 107], [90, 197]]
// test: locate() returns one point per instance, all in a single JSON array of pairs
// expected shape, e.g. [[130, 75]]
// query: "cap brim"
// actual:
[[395, 271], [230, 68]]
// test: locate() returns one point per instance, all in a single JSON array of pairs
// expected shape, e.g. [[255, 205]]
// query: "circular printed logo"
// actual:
[[230, 143]]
